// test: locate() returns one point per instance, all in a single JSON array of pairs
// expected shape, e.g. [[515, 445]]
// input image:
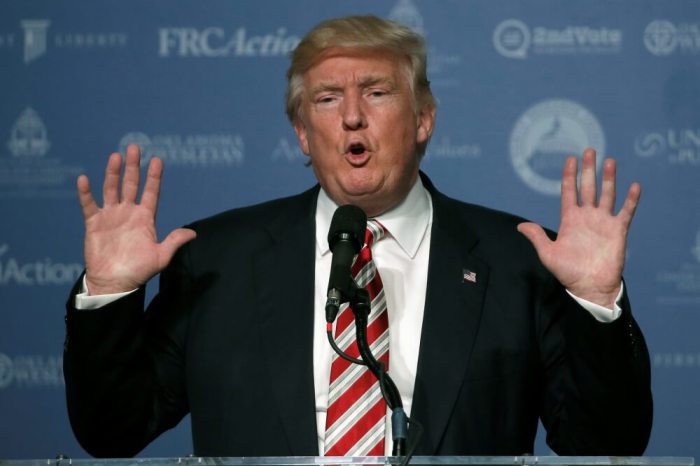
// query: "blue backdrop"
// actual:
[[520, 83]]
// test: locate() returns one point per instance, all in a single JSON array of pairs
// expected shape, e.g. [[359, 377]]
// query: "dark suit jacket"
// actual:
[[229, 340]]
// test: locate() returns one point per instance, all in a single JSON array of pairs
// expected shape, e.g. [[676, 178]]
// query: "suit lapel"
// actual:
[[457, 281], [286, 307]]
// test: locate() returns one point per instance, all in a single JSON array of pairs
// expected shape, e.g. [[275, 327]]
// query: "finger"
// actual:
[[110, 188], [172, 243], [569, 196], [151, 190], [607, 189], [130, 183], [537, 237], [87, 203], [588, 178], [631, 202]]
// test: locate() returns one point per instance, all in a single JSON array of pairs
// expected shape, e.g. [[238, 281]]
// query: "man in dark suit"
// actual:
[[488, 333]]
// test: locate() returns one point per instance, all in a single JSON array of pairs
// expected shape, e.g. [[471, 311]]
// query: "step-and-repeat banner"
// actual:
[[520, 84]]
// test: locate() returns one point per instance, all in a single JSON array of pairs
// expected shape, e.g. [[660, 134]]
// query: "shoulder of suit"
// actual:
[[458, 214], [493, 230], [474, 215], [265, 214]]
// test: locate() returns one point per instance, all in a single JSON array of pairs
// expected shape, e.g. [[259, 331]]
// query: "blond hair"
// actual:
[[359, 32]]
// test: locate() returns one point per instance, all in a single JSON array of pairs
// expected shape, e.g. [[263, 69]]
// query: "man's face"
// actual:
[[359, 125]]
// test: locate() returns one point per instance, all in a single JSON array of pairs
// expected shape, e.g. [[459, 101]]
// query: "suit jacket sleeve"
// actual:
[[124, 368], [596, 376], [233, 317]]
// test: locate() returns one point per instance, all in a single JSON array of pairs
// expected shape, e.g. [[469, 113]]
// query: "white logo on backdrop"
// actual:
[[37, 38], [28, 136], [650, 144], [28, 170], [31, 371], [191, 150], [406, 13], [441, 65], [676, 360], [288, 151], [662, 37], [34, 38], [545, 135], [512, 38], [216, 42], [42, 272], [445, 149], [684, 281], [679, 146]]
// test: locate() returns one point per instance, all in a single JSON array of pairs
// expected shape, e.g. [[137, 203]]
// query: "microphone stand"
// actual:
[[361, 305]]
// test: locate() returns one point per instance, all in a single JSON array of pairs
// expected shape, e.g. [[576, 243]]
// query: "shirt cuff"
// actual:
[[602, 313], [85, 302]]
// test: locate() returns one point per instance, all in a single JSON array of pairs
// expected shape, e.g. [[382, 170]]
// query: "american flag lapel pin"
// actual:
[[468, 276]]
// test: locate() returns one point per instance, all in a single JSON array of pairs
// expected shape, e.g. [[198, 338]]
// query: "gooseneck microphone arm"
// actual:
[[361, 306]]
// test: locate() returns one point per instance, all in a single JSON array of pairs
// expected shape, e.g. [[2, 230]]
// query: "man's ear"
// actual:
[[426, 122], [300, 129]]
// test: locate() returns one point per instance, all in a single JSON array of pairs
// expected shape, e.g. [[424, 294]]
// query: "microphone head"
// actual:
[[349, 223]]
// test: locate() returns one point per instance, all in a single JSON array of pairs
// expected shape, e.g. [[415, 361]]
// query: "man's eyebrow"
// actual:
[[326, 86], [364, 82], [373, 80]]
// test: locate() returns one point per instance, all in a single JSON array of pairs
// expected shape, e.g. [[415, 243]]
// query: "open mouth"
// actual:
[[357, 149], [357, 154]]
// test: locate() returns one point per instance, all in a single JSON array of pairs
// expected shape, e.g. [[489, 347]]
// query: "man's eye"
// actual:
[[326, 99], [377, 93]]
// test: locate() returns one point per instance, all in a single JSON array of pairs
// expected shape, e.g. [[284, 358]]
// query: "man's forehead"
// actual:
[[360, 65]]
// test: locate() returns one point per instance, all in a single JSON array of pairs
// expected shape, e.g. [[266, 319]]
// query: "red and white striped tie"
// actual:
[[356, 409]]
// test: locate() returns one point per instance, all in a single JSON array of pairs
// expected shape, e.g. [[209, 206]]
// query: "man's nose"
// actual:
[[353, 114]]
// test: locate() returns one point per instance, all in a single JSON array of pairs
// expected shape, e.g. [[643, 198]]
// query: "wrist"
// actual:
[[97, 288], [606, 299]]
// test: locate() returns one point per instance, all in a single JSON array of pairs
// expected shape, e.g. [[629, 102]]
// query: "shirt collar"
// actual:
[[407, 223]]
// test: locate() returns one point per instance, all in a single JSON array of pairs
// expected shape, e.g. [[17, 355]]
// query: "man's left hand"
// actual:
[[589, 253]]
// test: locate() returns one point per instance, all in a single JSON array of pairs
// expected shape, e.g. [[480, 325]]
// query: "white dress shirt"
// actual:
[[402, 261]]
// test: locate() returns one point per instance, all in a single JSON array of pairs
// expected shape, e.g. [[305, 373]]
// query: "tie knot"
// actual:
[[375, 231]]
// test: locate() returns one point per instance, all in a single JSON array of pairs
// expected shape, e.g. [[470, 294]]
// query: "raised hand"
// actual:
[[589, 253], [122, 251]]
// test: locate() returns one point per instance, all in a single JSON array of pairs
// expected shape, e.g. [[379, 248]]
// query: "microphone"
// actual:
[[345, 238]]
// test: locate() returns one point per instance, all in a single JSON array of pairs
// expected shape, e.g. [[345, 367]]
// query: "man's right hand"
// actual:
[[122, 251]]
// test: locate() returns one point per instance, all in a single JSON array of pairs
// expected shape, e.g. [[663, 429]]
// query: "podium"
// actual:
[[368, 460]]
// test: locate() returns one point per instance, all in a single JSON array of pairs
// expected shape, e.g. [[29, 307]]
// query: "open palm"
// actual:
[[588, 254], [122, 251]]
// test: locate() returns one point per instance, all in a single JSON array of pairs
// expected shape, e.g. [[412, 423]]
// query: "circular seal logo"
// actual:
[[511, 38], [6, 371], [650, 145], [406, 13], [660, 37], [545, 135]]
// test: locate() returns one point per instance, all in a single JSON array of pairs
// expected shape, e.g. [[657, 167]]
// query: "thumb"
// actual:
[[173, 242], [536, 235]]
